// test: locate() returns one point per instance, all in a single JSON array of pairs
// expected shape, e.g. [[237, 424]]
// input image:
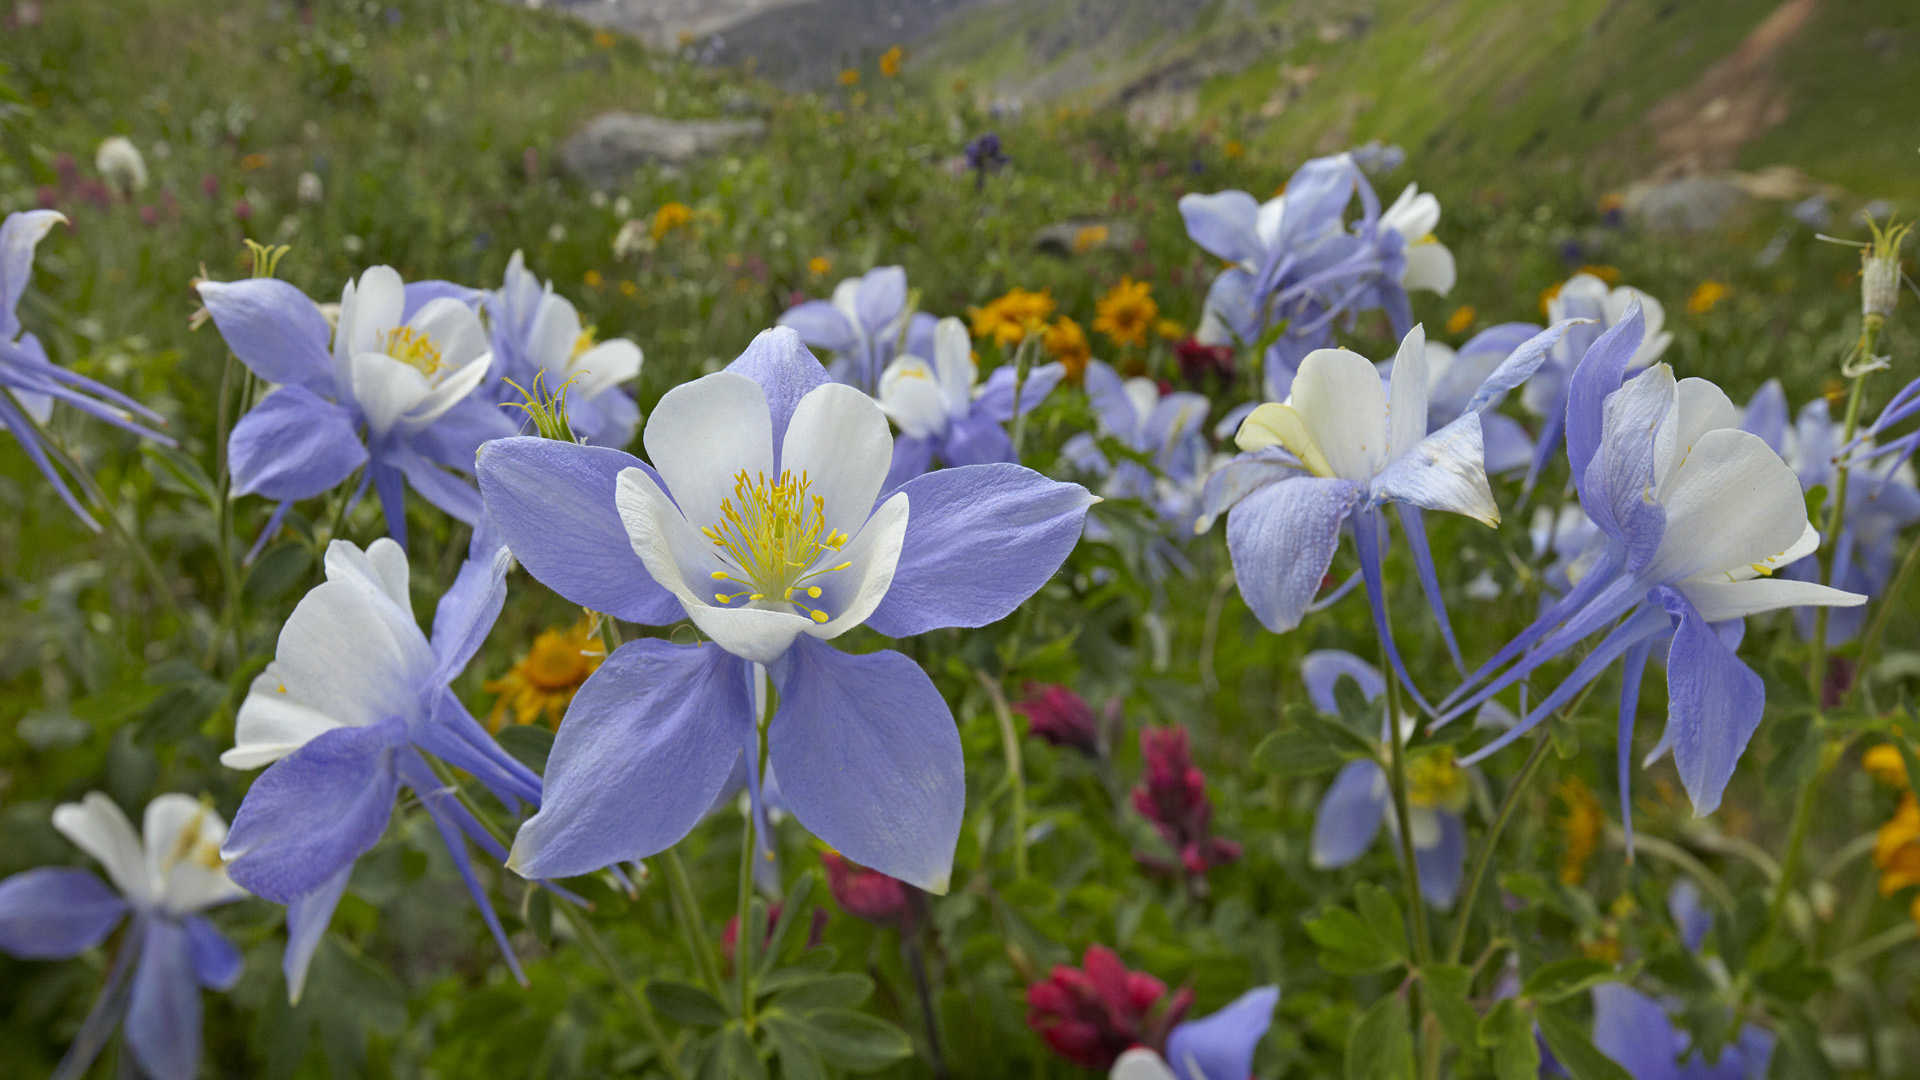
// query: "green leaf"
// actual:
[[849, 1039], [528, 743], [1794, 982], [797, 1059], [1568, 1040], [177, 471], [1348, 945], [1448, 988], [276, 573], [840, 989], [1380, 1046], [1377, 907], [1297, 751], [791, 906], [1564, 978], [1508, 1031], [686, 1003], [736, 1057]]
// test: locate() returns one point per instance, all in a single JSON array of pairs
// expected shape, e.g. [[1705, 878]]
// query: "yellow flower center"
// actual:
[[189, 845], [770, 535], [414, 349], [1435, 782], [583, 343]]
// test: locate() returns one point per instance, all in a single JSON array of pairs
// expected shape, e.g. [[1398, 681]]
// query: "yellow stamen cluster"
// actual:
[[770, 536], [1434, 781], [583, 343], [414, 349], [191, 845]]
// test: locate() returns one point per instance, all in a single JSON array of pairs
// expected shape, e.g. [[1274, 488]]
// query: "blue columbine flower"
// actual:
[[394, 393], [1343, 445], [355, 699], [1635, 1031], [1358, 801], [1454, 379], [862, 326], [537, 336], [1903, 406], [1218, 1046], [1295, 260], [170, 952], [32, 381], [1694, 517], [1166, 429], [761, 519], [1597, 307], [1878, 508], [943, 416]]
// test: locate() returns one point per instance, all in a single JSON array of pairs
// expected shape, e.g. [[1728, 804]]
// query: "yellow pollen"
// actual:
[[1434, 781], [770, 536], [414, 349], [583, 343]]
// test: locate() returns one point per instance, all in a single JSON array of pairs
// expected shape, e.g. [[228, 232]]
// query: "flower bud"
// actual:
[[1059, 716], [1880, 270]]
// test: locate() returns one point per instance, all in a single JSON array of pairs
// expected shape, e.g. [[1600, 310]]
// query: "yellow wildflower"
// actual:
[[1089, 237], [629, 288], [669, 217], [1582, 825], [1548, 295], [1169, 329], [849, 77], [819, 265], [1010, 318], [1234, 149], [1885, 764], [1067, 343], [1126, 312], [1896, 850], [1606, 273], [1705, 296], [602, 39], [593, 279], [544, 680], [1611, 201], [1461, 319], [890, 61], [253, 162]]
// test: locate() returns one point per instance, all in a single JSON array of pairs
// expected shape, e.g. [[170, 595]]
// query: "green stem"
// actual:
[[1836, 517], [1892, 938], [1010, 744], [1877, 629], [1022, 360], [104, 511], [686, 912], [1535, 759], [1397, 775], [583, 928]]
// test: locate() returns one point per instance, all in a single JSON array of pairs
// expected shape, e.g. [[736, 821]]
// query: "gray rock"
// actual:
[[609, 147], [1688, 204]]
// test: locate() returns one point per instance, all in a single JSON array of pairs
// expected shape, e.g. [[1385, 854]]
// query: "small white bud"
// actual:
[[120, 163]]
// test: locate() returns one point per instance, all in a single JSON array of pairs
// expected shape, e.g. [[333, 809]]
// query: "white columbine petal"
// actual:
[[1338, 395], [604, 366], [1721, 600], [1141, 1063], [386, 389], [1429, 267], [182, 839], [910, 394], [449, 390], [703, 434], [953, 363], [850, 595], [1731, 505], [838, 439], [1407, 395], [96, 826]]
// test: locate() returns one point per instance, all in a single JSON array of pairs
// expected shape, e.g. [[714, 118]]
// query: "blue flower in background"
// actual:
[[1694, 517], [1341, 446], [1635, 1031], [1879, 508], [169, 953], [1454, 379], [1163, 427], [395, 393], [32, 381], [1218, 1046], [1296, 260], [1358, 801], [862, 326], [942, 416], [762, 519], [345, 716], [1588, 299], [537, 336]]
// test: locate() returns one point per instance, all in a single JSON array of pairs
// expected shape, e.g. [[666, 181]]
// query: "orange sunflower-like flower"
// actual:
[[542, 682], [1127, 312]]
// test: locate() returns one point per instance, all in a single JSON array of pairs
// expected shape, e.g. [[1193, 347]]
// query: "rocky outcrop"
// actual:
[[608, 148]]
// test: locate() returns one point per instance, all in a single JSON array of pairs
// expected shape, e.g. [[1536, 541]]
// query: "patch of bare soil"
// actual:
[[1701, 128]]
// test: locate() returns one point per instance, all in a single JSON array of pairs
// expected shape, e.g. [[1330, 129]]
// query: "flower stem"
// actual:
[[583, 927], [1010, 743], [1484, 860], [1022, 360], [1877, 629], [686, 912], [1397, 774], [747, 937], [911, 942]]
